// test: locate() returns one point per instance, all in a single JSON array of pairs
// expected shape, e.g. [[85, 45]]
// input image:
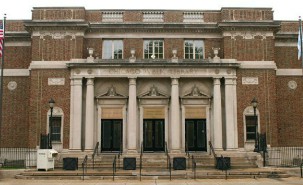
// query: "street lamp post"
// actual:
[[254, 104], [51, 106]]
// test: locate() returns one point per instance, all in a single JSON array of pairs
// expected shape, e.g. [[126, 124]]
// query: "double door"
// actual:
[[153, 135], [195, 135], [111, 135]]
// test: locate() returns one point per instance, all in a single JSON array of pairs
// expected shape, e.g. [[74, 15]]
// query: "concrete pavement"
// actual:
[[261, 181]]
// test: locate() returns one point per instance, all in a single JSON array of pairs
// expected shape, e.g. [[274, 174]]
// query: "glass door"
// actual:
[[153, 135], [111, 137], [195, 135]]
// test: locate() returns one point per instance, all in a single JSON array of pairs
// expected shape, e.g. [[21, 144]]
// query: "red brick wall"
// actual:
[[49, 49], [58, 13], [17, 57], [40, 94], [289, 111], [246, 14], [14, 25], [265, 92], [249, 49], [133, 16], [14, 128], [133, 43], [173, 16], [287, 57], [93, 16]]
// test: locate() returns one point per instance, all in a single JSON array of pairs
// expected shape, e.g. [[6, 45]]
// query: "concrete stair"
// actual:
[[154, 166]]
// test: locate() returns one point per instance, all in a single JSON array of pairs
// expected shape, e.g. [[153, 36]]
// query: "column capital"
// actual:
[[132, 81], [90, 81], [76, 81], [217, 81], [174, 81], [229, 81]]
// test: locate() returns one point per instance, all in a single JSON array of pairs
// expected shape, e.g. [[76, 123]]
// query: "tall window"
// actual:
[[153, 49], [193, 49], [112, 49], [250, 128], [56, 129]]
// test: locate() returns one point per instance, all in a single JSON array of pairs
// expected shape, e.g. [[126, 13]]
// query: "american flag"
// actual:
[[1, 37]]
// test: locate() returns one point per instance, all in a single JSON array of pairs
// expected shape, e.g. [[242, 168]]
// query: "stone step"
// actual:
[[150, 174]]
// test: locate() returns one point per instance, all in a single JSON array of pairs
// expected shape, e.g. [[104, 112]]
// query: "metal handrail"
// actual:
[[114, 168], [301, 166], [141, 154], [169, 166], [212, 149], [84, 167], [194, 166], [94, 154]]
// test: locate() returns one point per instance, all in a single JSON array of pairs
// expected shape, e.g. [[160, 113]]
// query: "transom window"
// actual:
[[153, 49], [250, 128], [194, 49], [112, 49]]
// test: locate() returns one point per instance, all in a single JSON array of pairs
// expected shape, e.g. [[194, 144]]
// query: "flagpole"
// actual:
[[1, 87], [300, 30]]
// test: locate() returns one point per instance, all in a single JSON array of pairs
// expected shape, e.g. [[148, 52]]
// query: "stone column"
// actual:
[[217, 132], [235, 112], [76, 114], [89, 115], [229, 114], [175, 126], [132, 117]]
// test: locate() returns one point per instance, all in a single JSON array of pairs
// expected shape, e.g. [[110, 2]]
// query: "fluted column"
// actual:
[[132, 117], [175, 126], [76, 114], [217, 143], [89, 115]]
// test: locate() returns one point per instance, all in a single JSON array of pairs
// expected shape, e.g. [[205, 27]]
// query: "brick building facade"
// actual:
[[152, 78]]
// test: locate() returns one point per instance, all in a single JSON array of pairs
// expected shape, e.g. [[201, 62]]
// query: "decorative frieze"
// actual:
[[57, 34], [250, 80], [56, 81], [248, 34]]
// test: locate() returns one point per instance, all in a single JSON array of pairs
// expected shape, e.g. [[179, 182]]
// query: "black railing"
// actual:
[[18, 157], [194, 166], [187, 154], [84, 167], [141, 154], [114, 167], [95, 153], [168, 160], [212, 150], [301, 166], [284, 156]]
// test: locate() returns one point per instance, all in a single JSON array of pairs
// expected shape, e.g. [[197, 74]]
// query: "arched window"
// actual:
[[56, 123], [251, 123]]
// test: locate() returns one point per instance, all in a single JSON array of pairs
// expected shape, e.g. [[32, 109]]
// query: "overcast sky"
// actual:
[[283, 9]]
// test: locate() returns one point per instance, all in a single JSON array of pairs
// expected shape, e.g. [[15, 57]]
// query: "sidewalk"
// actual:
[[261, 181]]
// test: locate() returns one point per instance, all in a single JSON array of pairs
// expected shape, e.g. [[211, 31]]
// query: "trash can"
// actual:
[[179, 163], [46, 159], [129, 163], [222, 163], [70, 163]]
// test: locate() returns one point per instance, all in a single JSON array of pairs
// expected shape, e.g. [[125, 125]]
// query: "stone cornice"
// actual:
[[56, 25], [266, 25], [151, 64]]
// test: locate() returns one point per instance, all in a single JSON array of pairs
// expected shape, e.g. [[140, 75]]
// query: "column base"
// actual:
[[175, 151], [131, 151]]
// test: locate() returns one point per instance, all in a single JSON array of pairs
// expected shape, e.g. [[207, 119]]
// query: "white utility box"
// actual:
[[46, 159]]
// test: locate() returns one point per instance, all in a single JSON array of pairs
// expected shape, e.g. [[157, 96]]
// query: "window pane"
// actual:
[[55, 131], [153, 47], [107, 49], [250, 127]]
